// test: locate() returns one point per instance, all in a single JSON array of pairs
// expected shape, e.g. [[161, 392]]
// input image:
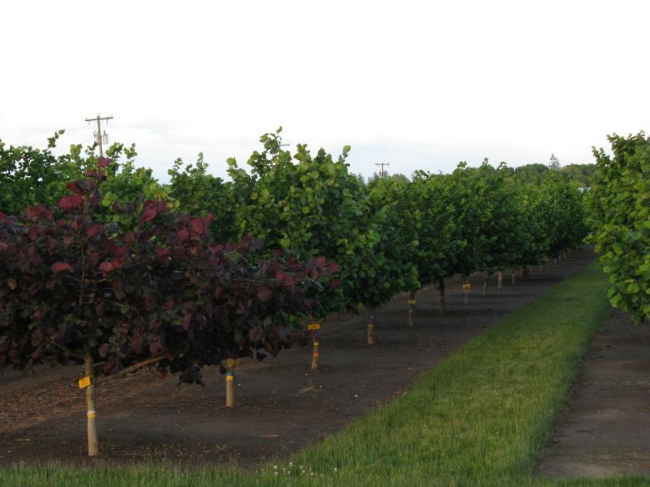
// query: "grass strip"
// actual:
[[480, 418], [483, 416]]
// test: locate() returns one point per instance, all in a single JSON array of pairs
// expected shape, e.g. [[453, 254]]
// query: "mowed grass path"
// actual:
[[480, 418]]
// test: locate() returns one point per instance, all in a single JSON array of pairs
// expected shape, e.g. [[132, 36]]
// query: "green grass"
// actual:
[[480, 418]]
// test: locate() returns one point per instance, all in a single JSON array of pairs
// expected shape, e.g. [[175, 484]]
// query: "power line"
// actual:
[[383, 173]]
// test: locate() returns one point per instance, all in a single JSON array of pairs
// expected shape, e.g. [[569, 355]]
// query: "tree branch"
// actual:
[[131, 368], [66, 350]]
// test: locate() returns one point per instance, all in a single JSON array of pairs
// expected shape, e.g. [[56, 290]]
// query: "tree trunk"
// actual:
[[512, 276], [411, 308], [91, 413], [441, 292], [466, 288], [485, 284], [316, 354], [371, 325]]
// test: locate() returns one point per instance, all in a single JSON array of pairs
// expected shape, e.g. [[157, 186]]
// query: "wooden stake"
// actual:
[[91, 413], [230, 382], [314, 327], [316, 354], [500, 281]]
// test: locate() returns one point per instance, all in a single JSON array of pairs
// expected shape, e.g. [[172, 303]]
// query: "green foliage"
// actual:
[[436, 209], [553, 214], [71, 285], [315, 206], [534, 241], [473, 204], [531, 172], [390, 235], [580, 173], [492, 217], [397, 214], [563, 213], [198, 192], [30, 176], [620, 218]]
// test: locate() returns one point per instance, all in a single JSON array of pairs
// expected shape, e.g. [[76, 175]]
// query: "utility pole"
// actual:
[[99, 137], [383, 173], [286, 144]]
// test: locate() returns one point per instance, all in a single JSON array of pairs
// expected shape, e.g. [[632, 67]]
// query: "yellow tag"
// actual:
[[314, 326], [412, 301], [85, 382], [316, 344], [232, 362], [230, 377], [370, 325], [466, 287]]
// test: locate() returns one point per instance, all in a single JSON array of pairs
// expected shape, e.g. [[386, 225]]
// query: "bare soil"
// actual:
[[282, 405], [605, 430]]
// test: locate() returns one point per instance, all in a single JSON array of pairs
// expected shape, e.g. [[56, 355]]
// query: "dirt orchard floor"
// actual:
[[281, 405], [605, 430]]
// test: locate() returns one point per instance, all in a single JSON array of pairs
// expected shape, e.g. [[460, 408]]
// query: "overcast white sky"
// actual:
[[416, 84]]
